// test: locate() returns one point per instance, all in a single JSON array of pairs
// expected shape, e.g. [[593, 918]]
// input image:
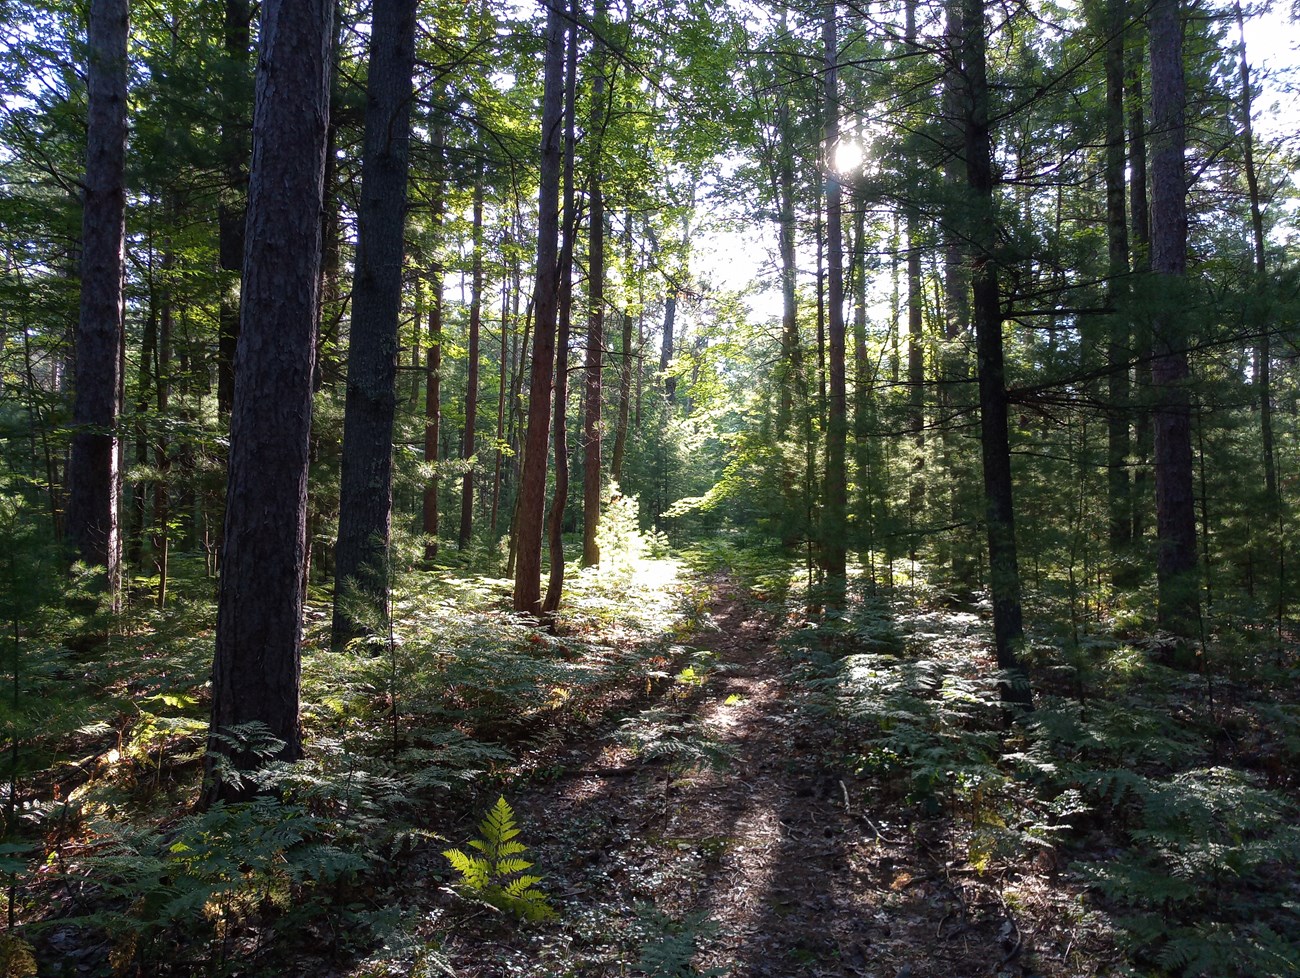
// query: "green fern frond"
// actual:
[[498, 875]]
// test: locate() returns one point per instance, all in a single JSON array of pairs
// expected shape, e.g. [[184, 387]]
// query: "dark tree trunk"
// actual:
[[564, 317], [791, 347], [592, 393], [232, 208], [915, 335], [1140, 249], [986, 313], [1275, 530], [94, 475], [532, 482], [472, 366], [666, 351], [433, 360], [625, 372], [259, 618], [836, 499], [1119, 343], [1179, 610], [366, 478]]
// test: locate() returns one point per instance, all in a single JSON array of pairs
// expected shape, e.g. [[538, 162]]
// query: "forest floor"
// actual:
[[744, 848]]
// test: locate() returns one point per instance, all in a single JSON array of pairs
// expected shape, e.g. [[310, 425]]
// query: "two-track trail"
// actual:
[[766, 862]]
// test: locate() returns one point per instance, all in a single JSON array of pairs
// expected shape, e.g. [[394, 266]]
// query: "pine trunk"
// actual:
[[366, 481], [94, 475], [259, 618], [532, 482]]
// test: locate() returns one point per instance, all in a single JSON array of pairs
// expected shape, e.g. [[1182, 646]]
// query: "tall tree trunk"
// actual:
[[1179, 608], [503, 385], [625, 369], [1263, 345], [915, 334], [532, 481], [1140, 248], [666, 351], [366, 480], [1114, 15], [836, 499], [791, 347], [592, 396], [986, 313], [259, 615], [472, 365], [94, 475], [956, 288], [555, 522], [162, 458], [235, 94], [433, 355]]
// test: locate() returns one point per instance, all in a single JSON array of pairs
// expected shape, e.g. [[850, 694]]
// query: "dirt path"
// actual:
[[770, 864]]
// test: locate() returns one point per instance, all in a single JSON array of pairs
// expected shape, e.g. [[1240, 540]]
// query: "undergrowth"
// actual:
[[1170, 796], [111, 868]]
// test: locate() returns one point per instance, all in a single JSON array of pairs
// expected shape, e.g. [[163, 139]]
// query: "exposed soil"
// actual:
[[775, 863]]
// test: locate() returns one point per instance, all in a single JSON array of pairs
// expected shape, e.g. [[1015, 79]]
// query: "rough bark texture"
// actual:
[[366, 482], [986, 313], [94, 475], [1179, 602], [259, 618], [532, 481], [836, 499]]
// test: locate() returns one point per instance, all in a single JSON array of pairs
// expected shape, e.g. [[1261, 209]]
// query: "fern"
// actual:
[[668, 946], [498, 873]]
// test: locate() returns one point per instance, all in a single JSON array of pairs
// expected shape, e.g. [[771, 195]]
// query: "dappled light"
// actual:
[[681, 490]]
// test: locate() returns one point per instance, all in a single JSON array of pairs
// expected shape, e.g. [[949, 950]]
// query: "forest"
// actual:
[[667, 488]]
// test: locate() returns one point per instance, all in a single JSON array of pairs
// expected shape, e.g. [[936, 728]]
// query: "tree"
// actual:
[[532, 483], [986, 314], [94, 477], [471, 384], [591, 433], [1179, 607], [836, 505], [259, 613], [366, 487]]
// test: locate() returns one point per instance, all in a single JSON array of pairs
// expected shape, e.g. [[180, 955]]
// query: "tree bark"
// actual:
[[532, 482], [94, 474], [836, 501], [472, 367], [259, 617], [625, 371], [433, 357], [1179, 602], [564, 316], [592, 396], [366, 479], [233, 206], [1119, 342], [1140, 253], [986, 313]]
